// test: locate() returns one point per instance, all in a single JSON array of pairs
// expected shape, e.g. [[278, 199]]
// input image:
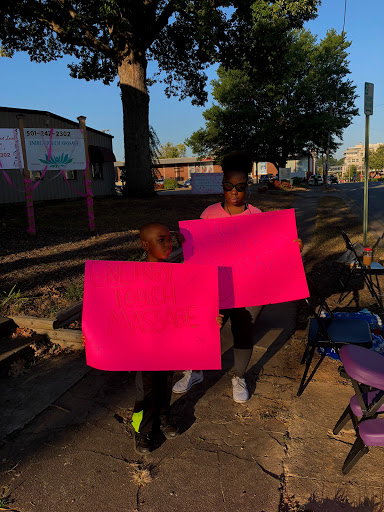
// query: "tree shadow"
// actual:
[[339, 503]]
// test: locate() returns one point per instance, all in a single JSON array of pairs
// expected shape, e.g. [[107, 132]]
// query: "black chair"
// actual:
[[370, 274], [327, 331]]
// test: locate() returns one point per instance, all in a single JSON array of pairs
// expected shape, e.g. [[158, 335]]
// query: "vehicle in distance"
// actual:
[[332, 179], [315, 179], [265, 178]]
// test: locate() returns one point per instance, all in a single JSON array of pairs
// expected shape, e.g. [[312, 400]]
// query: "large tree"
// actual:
[[117, 38], [299, 99]]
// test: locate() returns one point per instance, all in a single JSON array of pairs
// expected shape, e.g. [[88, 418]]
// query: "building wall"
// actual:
[[53, 185], [356, 154], [300, 167], [181, 169]]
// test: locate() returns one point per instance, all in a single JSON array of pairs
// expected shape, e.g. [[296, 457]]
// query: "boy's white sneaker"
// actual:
[[190, 379], [240, 390]]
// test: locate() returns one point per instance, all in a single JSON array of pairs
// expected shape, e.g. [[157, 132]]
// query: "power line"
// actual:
[[345, 11]]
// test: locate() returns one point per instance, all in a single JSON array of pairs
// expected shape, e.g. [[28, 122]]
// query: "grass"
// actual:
[[327, 245], [114, 214], [12, 298]]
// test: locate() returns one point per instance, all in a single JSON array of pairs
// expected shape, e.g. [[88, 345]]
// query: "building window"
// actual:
[[178, 172], [35, 175], [71, 175], [97, 171]]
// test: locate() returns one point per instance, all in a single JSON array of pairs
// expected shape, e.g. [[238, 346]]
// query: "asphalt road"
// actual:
[[355, 192]]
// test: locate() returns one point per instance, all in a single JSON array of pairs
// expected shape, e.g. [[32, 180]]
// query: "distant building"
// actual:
[[53, 185], [356, 154], [301, 166], [179, 169]]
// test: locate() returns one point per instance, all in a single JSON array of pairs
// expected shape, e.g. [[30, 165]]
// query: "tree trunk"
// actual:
[[135, 99]]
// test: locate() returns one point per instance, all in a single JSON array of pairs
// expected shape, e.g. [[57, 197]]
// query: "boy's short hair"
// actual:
[[148, 227], [237, 161]]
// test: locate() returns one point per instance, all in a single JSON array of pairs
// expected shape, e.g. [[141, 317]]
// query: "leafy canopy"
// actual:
[[183, 36], [285, 106], [170, 150]]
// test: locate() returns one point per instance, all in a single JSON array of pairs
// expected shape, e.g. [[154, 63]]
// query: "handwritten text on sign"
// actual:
[[259, 262], [150, 316], [67, 149], [11, 156]]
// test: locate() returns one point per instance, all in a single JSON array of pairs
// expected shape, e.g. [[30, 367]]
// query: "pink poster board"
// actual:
[[258, 261], [151, 316]]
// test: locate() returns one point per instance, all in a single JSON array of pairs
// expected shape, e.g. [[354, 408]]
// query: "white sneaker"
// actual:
[[190, 379], [240, 390]]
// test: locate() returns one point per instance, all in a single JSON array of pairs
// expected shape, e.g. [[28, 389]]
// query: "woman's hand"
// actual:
[[219, 320], [300, 242]]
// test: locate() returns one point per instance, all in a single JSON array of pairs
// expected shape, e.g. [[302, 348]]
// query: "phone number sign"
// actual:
[[54, 149]]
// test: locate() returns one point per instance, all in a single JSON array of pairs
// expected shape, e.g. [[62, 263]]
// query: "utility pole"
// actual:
[[368, 111]]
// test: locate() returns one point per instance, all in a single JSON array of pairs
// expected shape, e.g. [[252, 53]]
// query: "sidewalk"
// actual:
[[78, 456]]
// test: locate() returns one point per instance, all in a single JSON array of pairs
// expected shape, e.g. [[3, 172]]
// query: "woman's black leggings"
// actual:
[[242, 325]]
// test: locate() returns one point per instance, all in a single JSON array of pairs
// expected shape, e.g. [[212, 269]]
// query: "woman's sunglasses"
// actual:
[[240, 187]]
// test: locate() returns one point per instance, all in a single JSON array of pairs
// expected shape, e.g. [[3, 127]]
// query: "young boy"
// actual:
[[153, 389]]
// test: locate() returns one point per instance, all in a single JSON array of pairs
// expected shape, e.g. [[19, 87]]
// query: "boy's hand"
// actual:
[[179, 237], [219, 320], [300, 242]]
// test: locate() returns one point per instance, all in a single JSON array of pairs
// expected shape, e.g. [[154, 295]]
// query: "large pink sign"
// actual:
[[151, 316], [258, 261]]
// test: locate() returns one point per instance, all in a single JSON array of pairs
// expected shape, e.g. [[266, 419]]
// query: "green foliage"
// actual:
[[170, 184], [170, 150], [12, 298], [74, 293], [376, 158], [285, 105], [296, 180]]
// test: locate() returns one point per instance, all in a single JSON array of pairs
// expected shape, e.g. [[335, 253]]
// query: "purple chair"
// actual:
[[366, 371]]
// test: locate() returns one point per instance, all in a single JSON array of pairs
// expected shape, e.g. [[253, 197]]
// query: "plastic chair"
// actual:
[[368, 273], [329, 332], [365, 368]]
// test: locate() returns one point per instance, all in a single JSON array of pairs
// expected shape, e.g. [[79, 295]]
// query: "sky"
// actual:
[[48, 86]]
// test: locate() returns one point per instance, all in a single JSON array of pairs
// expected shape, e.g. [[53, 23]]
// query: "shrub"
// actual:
[[296, 180], [170, 184]]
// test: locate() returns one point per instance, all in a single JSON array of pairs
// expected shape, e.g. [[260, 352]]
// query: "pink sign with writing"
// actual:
[[258, 261], [151, 316]]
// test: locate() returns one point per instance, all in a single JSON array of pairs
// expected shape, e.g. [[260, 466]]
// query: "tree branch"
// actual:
[[88, 36], [162, 20]]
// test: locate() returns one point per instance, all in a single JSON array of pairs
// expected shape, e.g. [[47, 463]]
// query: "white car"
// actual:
[[315, 179]]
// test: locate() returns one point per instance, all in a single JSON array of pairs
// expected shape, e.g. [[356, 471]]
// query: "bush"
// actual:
[[170, 184], [296, 180]]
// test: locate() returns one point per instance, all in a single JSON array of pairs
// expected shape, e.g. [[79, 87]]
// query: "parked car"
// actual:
[[265, 178], [159, 182], [315, 179], [332, 179], [119, 189], [187, 183]]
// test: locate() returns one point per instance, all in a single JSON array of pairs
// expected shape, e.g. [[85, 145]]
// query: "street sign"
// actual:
[[368, 99]]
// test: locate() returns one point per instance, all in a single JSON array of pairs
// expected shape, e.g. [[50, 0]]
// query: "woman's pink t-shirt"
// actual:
[[216, 211]]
